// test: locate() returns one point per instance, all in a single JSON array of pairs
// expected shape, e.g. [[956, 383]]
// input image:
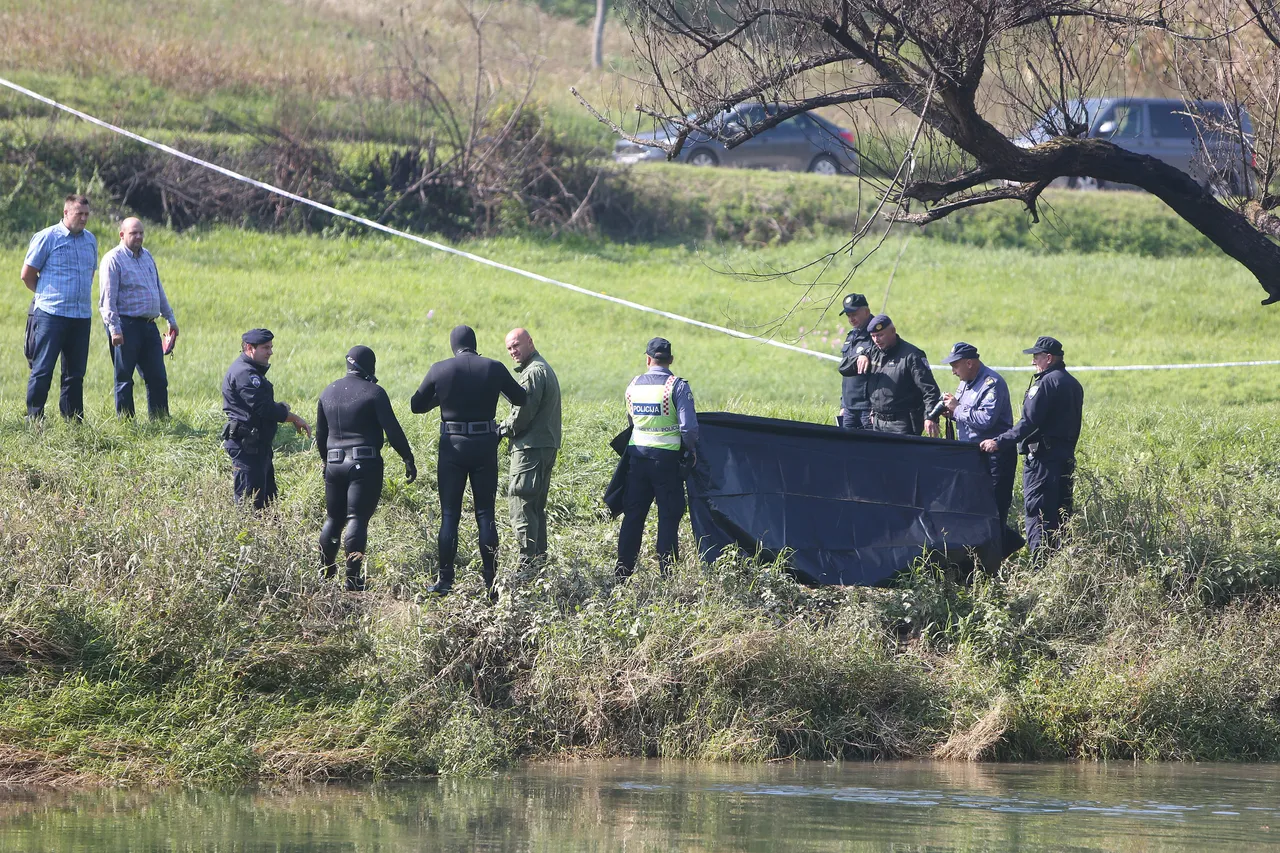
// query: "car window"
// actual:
[[1171, 121], [796, 124], [1122, 121], [751, 115]]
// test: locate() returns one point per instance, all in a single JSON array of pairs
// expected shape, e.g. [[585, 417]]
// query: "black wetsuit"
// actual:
[[351, 419], [466, 388]]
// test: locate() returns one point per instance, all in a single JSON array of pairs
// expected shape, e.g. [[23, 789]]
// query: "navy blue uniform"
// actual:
[[466, 388], [253, 414], [1047, 436], [983, 410], [854, 398]]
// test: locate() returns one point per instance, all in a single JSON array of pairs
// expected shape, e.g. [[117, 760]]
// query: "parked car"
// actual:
[[1198, 138], [803, 143]]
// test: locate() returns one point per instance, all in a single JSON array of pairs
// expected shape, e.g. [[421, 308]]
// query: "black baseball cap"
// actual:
[[257, 337], [878, 322], [1045, 344], [853, 302], [659, 348], [961, 351]]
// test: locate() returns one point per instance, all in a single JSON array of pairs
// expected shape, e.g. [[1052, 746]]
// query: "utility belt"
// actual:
[[361, 453], [151, 320], [240, 431], [468, 427], [893, 414], [1040, 447]]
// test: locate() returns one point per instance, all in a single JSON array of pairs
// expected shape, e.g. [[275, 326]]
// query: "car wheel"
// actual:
[[703, 157], [824, 164], [1079, 183]]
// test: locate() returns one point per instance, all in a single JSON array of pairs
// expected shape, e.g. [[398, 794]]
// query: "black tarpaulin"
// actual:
[[847, 507]]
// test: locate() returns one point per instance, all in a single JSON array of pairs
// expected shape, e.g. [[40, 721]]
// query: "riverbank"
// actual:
[[150, 632]]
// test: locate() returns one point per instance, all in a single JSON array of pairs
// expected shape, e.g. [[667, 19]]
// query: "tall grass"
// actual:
[[150, 631]]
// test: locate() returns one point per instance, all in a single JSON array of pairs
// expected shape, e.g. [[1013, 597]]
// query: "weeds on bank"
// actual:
[[149, 631]]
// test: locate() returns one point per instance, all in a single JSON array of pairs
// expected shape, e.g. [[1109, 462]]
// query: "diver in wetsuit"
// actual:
[[351, 419], [466, 388]]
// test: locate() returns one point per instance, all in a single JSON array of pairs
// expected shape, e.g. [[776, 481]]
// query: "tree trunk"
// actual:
[[597, 35]]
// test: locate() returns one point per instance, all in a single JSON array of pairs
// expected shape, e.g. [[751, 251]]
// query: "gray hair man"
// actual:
[[533, 439], [131, 298]]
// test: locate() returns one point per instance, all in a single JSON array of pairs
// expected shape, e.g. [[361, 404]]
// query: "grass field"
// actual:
[[150, 631]]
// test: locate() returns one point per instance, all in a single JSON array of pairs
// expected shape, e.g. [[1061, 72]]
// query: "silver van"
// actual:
[[1199, 138]]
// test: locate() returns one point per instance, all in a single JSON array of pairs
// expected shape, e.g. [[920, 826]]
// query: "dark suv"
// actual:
[[1199, 138], [803, 143]]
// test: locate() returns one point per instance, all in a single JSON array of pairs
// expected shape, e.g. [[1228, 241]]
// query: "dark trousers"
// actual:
[[459, 459], [254, 475], [1003, 465], [1048, 488], [140, 351], [58, 337], [855, 419], [351, 492], [651, 479], [912, 424]]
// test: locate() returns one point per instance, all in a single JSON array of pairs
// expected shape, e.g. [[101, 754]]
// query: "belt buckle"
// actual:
[[477, 427], [363, 452], [336, 455]]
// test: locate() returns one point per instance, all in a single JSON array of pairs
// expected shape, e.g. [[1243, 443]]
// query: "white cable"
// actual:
[[441, 247], [378, 226]]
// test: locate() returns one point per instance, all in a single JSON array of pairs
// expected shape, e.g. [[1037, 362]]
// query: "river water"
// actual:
[[673, 806]]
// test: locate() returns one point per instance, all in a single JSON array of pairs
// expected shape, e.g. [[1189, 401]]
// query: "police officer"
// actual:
[[900, 388], [351, 419], [855, 365], [981, 409], [466, 388], [664, 435], [252, 412], [1047, 436]]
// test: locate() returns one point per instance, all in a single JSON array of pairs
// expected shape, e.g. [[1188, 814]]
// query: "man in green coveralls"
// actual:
[[533, 438]]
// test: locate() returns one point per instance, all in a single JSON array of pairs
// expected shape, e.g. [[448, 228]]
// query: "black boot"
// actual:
[[328, 560], [444, 583], [355, 573]]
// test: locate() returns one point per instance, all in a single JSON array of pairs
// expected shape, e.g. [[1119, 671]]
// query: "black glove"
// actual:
[[503, 432], [410, 471]]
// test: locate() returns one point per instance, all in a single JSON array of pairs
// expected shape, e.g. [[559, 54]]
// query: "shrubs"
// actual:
[[150, 631]]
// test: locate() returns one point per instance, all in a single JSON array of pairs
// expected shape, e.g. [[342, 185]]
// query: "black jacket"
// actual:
[[248, 398], [901, 382], [466, 388], [355, 412], [1051, 415]]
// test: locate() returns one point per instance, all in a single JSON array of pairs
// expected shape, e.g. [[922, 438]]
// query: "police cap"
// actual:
[[659, 348], [1045, 344], [961, 351], [853, 302], [257, 337], [879, 322]]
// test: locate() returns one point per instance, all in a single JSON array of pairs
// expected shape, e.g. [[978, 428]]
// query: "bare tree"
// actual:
[[976, 75]]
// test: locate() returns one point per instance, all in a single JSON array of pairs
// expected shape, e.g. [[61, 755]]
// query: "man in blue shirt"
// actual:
[[981, 409], [132, 297], [1047, 435], [59, 269], [664, 432]]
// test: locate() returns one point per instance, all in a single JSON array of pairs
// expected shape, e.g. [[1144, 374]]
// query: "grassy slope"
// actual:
[[151, 631]]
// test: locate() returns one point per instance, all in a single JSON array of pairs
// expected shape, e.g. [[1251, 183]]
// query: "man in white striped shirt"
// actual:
[[131, 300]]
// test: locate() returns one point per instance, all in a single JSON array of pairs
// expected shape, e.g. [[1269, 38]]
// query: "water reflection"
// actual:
[[640, 806]]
